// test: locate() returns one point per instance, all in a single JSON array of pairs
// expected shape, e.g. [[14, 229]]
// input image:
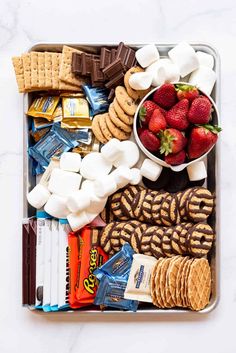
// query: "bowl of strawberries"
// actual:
[[176, 124]]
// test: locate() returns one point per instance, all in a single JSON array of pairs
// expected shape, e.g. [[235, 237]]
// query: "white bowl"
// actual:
[[177, 168]]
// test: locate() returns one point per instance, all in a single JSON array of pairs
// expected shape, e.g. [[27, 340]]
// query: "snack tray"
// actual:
[[213, 180]]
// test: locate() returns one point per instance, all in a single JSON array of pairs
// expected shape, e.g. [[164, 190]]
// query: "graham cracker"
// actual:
[[19, 72], [41, 69], [27, 70], [56, 57], [34, 69], [48, 70], [65, 73]]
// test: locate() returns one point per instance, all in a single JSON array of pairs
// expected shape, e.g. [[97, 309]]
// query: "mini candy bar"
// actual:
[[91, 257], [47, 266], [117, 266], [55, 142], [63, 268], [111, 293], [75, 113], [43, 107], [105, 57], [139, 282], [76, 66], [54, 265], [98, 98]]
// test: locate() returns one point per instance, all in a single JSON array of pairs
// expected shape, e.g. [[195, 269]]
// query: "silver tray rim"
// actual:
[[207, 47]]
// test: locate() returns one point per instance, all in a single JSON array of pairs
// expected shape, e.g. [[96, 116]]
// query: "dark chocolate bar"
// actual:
[[86, 63], [112, 70], [97, 75], [115, 81], [113, 54], [126, 54]]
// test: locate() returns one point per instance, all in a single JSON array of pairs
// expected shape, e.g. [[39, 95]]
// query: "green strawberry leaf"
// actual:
[[215, 129], [183, 87]]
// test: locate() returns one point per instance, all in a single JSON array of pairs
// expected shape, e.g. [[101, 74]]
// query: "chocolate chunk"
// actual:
[[112, 70], [116, 81], [76, 63], [111, 95], [105, 57], [97, 75], [113, 54], [86, 63], [126, 54]]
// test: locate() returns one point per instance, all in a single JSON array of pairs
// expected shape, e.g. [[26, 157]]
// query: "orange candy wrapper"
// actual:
[[85, 256]]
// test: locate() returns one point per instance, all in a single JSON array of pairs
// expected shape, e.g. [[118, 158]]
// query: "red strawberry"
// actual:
[[176, 117], [146, 111], [201, 139], [149, 140], [157, 121], [175, 158], [200, 110], [172, 141], [140, 130], [164, 112], [165, 96], [186, 92]]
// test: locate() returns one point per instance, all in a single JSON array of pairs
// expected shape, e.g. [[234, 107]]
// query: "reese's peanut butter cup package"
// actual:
[[91, 256]]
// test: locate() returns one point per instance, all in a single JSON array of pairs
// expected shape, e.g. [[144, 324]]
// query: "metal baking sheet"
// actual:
[[213, 181]]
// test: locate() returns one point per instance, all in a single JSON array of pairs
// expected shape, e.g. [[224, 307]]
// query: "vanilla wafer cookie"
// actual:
[[199, 284], [179, 301], [155, 285], [172, 277], [163, 275]]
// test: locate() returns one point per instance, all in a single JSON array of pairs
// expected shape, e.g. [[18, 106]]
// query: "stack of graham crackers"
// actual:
[[46, 71]]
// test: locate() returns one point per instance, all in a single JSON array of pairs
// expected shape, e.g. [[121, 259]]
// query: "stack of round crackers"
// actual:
[[181, 282], [183, 239]]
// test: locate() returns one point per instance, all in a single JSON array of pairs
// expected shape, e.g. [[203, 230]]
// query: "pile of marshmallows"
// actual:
[[65, 197], [182, 61]]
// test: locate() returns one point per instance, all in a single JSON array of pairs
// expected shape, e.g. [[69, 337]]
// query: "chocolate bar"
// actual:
[[54, 266], [126, 54], [105, 57], [86, 63], [97, 75], [25, 264], [113, 69], [115, 81], [113, 54], [76, 65], [32, 259], [47, 266]]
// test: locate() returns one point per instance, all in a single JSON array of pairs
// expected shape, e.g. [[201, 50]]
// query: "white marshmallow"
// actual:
[[130, 155], [87, 185], [64, 183], [163, 71], [56, 206], [111, 151], [105, 186], [78, 220], [38, 196], [136, 176], [204, 78], [70, 161], [205, 59], [147, 55], [97, 204], [94, 165], [122, 176], [184, 56], [78, 201], [140, 80], [197, 171], [150, 169]]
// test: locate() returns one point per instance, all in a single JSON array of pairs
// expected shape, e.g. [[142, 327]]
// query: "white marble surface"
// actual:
[[24, 22]]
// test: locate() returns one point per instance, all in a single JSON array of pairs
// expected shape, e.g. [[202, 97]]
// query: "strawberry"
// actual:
[[150, 141], [146, 111], [157, 121], [176, 117], [140, 130], [175, 158], [165, 96], [164, 112], [201, 139], [200, 110], [172, 141], [186, 92]]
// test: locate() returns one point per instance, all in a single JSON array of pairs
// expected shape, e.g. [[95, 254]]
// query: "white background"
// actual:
[[22, 23]]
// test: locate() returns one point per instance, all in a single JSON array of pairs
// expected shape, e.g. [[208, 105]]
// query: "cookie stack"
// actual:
[[160, 207], [181, 282], [182, 239]]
